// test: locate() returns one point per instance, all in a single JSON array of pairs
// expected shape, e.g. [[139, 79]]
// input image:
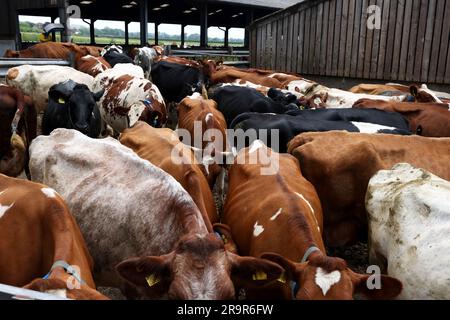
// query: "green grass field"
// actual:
[[33, 37]]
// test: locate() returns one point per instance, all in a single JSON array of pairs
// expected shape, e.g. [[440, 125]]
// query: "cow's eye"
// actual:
[[419, 130]]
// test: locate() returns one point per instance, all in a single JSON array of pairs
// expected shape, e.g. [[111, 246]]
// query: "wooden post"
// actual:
[[127, 37], [204, 25], [144, 22], [182, 35], [226, 40], [92, 31], [249, 19], [62, 12], [156, 33]]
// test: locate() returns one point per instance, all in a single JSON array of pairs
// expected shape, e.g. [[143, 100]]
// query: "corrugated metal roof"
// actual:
[[279, 4]]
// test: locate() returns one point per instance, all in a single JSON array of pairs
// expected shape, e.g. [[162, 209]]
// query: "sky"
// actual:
[[213, 32]]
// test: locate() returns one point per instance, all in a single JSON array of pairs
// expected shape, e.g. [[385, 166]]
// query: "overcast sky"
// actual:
[[213, 32]]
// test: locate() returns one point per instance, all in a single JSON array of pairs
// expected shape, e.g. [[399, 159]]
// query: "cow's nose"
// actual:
[[83, 128]]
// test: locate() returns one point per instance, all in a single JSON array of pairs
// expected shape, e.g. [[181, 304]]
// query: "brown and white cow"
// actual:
[[42, 247], [281, 213], [211, 133], [35, 81], [18, 122], [423, 94], [162, 147], [379, 89], [340, 164], [92, 65], [129, 97], [49, 50], [425, 119], [127, 207]]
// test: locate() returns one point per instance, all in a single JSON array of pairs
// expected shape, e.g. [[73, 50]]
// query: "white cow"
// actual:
[[409, 223], [129, 97], [127, 207], [35, 81]]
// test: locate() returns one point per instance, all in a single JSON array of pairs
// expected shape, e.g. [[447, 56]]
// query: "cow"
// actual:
[[211, 133], [138, 220], [233, 101], [381, 89], [284, 219], [114, 55], [18, 123], [129, 98], [145, 57], [162, 147], [72, 106], [425, 119], [227, 74], [424, 95], [92, 65], [340, 164], [36, 81], [41, 244], [49, 50], [177, 81], [409, 220], [288, 126]]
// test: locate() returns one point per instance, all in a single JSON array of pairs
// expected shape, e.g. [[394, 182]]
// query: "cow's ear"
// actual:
[[414, 90], [376, 286], [254, 272], [224, 232], [60, 96], [98, 95], [292, 269], [146, 272]]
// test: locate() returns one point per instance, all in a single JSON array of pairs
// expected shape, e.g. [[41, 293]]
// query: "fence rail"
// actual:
[[332, 38], [7, 63]]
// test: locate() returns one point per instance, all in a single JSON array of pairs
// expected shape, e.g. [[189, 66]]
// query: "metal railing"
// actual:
[[15, 293], [7, 63]]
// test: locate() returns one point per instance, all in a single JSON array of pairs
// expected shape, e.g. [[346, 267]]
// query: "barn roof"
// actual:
[[278, 4]]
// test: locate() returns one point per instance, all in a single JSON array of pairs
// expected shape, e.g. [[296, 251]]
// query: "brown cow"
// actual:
[[159, 146], [195, 110], [340, 164], [40, 237], [281, 213], [425, 119], [18, 121], [91, 65], [49, 50]]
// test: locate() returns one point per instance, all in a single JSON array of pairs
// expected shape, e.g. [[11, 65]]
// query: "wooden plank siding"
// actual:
[[332, 38]]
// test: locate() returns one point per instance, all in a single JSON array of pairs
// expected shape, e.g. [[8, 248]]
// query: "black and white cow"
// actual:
[[72, 106], [233, 101], [114, 54], [177, 81], [290, 126]]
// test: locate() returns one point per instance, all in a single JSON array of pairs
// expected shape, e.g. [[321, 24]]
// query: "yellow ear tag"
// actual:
[[224, 239], [61, 101], [260, 275], [282, 278], [152, 280], [157, 117]]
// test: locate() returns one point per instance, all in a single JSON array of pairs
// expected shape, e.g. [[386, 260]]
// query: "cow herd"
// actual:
[[115, 197]]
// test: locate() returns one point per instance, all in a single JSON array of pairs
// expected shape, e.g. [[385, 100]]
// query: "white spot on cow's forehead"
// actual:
[[195, 96], [326, 280], [257, 144], [257, 229], [276, 214], [209, 116], [58, 292], [5, 208], [49, 192]]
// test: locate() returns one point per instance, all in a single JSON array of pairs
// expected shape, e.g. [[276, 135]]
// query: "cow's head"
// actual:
[[199, 268], [329, 278], [12, 54], [59, 287], [82, 105], [423, 94]]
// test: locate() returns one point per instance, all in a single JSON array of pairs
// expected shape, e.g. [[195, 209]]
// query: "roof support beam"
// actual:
[[62, 12], [143, 8], [249, 17], [182, 35], [127, 36]]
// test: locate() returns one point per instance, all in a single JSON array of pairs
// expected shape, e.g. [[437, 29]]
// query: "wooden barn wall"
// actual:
[[331, 38]]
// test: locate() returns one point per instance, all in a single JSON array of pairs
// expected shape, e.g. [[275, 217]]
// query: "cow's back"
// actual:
[[340, 164], [124, 205]]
